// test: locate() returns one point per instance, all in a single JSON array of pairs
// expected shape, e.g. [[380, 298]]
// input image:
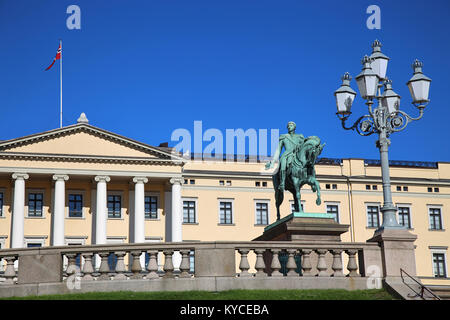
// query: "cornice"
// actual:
[[86, 158]]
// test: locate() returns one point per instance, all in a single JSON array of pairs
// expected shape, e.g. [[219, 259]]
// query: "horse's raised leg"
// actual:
[[316, 188], [279, 196], [297, 186]]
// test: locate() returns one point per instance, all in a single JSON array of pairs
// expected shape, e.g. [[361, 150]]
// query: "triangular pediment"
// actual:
[[83, 139]]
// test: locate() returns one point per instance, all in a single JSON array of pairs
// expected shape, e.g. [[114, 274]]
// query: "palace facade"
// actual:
[[84, 185]]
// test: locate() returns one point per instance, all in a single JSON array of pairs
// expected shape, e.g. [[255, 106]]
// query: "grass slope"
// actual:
[[331, 294]]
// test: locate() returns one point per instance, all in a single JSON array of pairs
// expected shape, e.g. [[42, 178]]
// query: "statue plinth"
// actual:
[[302, 226]]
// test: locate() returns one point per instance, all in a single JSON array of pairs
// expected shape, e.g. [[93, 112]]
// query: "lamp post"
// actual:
[[386, 118]]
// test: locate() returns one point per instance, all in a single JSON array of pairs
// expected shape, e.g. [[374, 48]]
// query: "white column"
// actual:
[[101, 210], [139, 209], [59, 208], [17, 237], [177, 218]]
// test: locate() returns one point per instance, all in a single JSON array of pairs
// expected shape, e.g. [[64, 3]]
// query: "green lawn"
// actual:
[[380, 294]]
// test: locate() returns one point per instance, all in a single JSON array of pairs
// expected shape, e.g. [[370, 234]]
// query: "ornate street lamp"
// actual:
[[386, 118]]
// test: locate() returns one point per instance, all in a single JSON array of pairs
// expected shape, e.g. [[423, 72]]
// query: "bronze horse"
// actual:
[[300, 172]]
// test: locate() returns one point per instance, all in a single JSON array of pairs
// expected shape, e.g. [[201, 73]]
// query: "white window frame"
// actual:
[[83, 207], [373, 204], [219, 200], [266, 201], [122, 209], [334, 203], [35, 190], [435, 206], [3, 241], [291, 204], [2, 212], [442, 251], [34, 239], [406, 205], [158, 205], [195, 200]]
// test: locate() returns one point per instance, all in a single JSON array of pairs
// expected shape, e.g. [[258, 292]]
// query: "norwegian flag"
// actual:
[[58, 56]]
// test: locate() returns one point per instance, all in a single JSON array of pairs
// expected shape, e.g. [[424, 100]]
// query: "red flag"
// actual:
[[58, 56]]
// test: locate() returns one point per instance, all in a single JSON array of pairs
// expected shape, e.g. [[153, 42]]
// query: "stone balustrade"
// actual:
[[296, 260], [262, 259]]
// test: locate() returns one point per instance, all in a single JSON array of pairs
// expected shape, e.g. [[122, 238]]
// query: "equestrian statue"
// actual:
[[296, 166]]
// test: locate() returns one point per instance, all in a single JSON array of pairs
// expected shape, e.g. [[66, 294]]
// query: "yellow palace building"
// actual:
[[81, 184]]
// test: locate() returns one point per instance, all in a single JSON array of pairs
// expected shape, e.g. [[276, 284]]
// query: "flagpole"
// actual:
[[60, 79]]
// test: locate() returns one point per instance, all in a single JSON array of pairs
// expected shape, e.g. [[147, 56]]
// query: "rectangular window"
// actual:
[[192, 181], [334, 186], [34, 245], [226, 214], [430, 189], [188, 211], [293, 207], [374, 187], [367, 186], [257, 184], [436, 189], [334, 210], [435, 218], [404, 217], [151, 207], [262, 213], [372, 217], [264, 184], [439, 265], [327, 186], [399, 188], [221, 182], [1, 204], [35, 203], [114, 206], [75, 205], [405, 188]]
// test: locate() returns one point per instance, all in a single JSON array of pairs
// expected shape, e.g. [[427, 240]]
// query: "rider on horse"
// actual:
[[290, 141]]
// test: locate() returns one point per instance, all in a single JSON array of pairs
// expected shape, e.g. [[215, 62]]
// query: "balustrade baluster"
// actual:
[[306, 262], [71, 265], [275, 265], [88, 269], [322, 263], [185, 264], [260, 265], [352, 266], [120, 266], [152, 266], [10, 272], [136, 267], [244, 265], [168, 264], [291, 265], [104, 266], [337, 263]]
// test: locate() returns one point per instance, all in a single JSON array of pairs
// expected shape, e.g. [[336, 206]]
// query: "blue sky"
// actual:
[[145, 68]]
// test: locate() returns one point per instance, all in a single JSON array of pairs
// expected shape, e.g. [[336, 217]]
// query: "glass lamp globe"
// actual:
[[344, 95]]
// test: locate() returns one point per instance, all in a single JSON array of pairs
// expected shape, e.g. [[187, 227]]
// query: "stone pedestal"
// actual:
[[301, 226], [397, 251]]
